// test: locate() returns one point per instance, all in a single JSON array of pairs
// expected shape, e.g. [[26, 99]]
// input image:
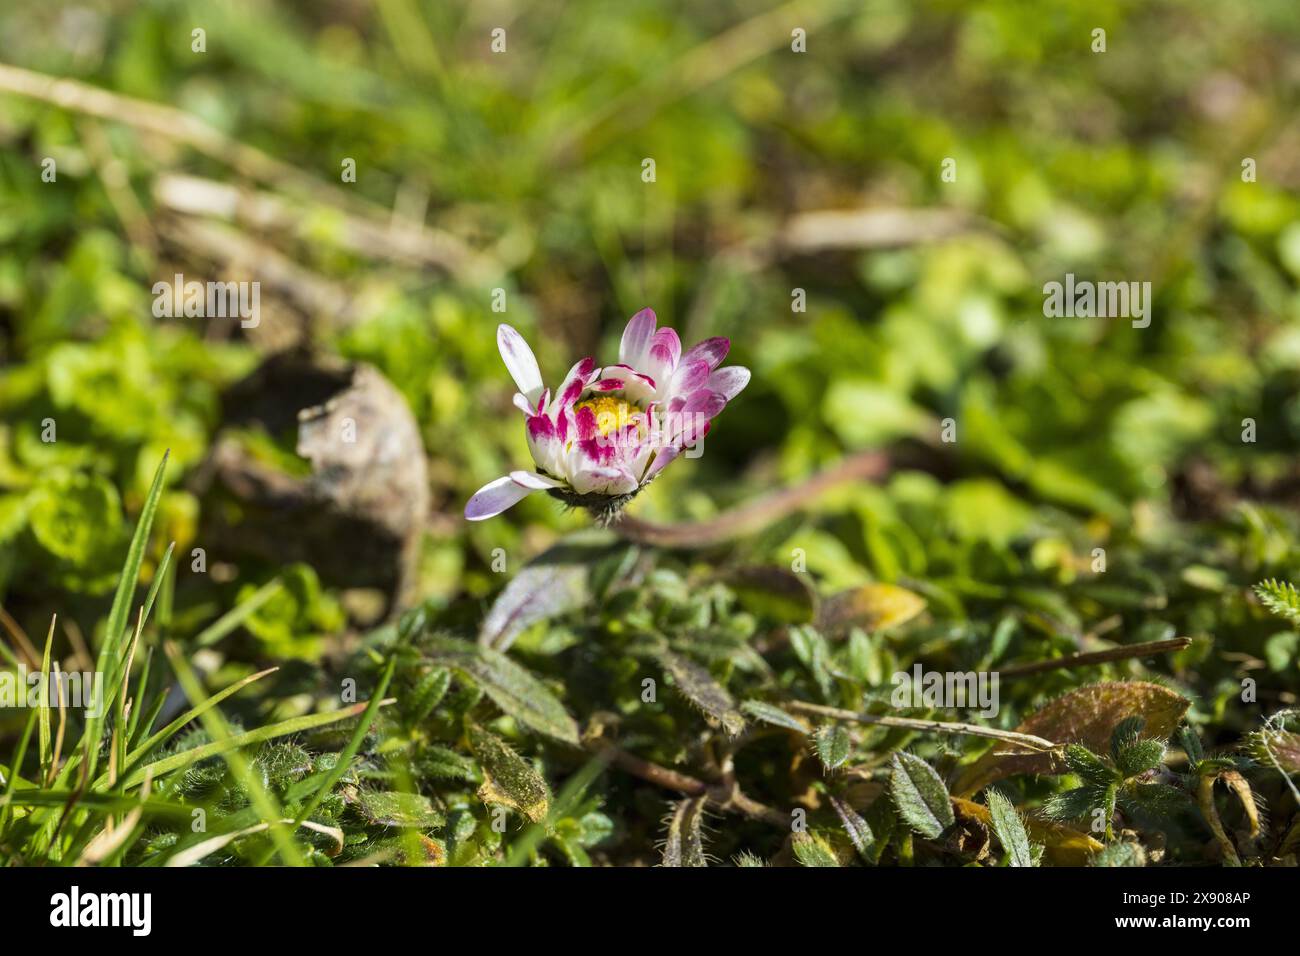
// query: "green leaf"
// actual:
[[1010, 830], [1140, 757], [769, 714], [814, 653], [284, 728], [1088, 765], [811, 849], [685, 843], [698, 686], [115, 632], [508, 779], [1126, 733], [858, 830], [511, 687], [390, 808], [428, 693], [1281, 598], [74, 515], [920, 796], [1120, 854], [833, 745], [443, 763], [1074, 804], [1187, 739]]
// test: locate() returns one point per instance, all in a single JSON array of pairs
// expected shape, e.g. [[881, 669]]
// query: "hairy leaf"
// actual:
[[920, 796], [770, 714], [1010, 829], [833, 745], [811, 849], [858, 830], [553, 583], [1140, 757], [698, 686], [511, 687], [1088, 765], [685, 843], [395, 809], [507, 778]]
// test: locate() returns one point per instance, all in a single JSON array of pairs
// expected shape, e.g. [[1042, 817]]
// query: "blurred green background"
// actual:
[[522, 170]]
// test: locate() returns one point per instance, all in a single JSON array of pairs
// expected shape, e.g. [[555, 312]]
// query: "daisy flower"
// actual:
[[606, 433]]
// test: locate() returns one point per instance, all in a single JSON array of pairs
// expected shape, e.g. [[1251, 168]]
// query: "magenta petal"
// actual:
[[598, 451], [712, 351], [607, 385], [540, 427], [575, 382], [586, 422], [494, 498]]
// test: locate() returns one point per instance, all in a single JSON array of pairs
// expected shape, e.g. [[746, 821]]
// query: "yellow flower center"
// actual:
[[612, 413]]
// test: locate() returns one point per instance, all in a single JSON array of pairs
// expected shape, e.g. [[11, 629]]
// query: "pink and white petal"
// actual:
[[533, 481], [666, 347], [575, 382], [730, 381], [607, 385], [636, 386], [522, 404], [662, 458], [712, 350], [494, 498], [704, 402], [639, 457], [604, 480], [544, 442], [636, 338], [520, 362], [689, 377]]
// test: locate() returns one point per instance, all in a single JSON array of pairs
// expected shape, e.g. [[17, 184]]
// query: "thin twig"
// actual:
[[753, 516], [1148, 649], [1028, 741], [725, 796]]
